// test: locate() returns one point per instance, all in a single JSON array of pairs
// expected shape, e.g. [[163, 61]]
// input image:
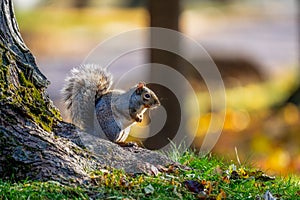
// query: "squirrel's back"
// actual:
[[85, 84]]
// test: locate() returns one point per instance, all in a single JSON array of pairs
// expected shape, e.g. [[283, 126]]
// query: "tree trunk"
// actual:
[[165, 14], [80, 4], [34, 142]]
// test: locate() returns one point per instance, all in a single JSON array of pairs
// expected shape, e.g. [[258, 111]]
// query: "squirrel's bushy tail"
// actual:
[[83, 86]]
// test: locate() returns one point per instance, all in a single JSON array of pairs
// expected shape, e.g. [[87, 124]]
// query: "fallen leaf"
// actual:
[[149, 189], [221, 195], [268, 196], [208, 186], [154, 170], [123, 182], [162, 168], [234, 175], [218, 170], [265, 177], [259, 175], [226, 179], [177, 193], [194, 186], [170, 169], [243, 173]]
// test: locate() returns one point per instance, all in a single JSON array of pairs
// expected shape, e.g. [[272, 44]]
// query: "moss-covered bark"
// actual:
[[29, 148], [22, 96], [22, 84], [28, 101]]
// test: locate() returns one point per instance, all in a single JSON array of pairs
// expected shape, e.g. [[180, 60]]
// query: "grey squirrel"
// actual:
[[87, 94]]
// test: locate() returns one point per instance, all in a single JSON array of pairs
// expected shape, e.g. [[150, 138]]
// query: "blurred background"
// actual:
[[254, 43]]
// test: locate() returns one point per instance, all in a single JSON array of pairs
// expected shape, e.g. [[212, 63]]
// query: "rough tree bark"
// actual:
[[34, 141]]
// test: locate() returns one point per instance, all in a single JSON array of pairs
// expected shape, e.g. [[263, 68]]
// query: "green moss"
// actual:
[[3, 55], [3, 85], [3, 72], [24, 82], [40, 110], [1, 60], [27, 99]]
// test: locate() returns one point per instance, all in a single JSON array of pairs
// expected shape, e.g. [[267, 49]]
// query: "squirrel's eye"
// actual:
[[147, 96]]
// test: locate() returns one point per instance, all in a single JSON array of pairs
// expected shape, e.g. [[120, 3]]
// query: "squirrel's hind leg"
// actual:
[[123, 136]]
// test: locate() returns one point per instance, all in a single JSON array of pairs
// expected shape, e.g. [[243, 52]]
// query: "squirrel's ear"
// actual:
[[139, 87]]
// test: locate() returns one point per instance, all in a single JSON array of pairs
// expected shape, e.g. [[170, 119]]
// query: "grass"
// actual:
[[39, 190], [209, 178]]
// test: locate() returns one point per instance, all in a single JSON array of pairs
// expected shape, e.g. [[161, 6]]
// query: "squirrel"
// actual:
[[88, 96]]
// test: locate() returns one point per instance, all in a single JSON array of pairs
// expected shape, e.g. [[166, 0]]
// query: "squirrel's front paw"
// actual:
[[139, 118]]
